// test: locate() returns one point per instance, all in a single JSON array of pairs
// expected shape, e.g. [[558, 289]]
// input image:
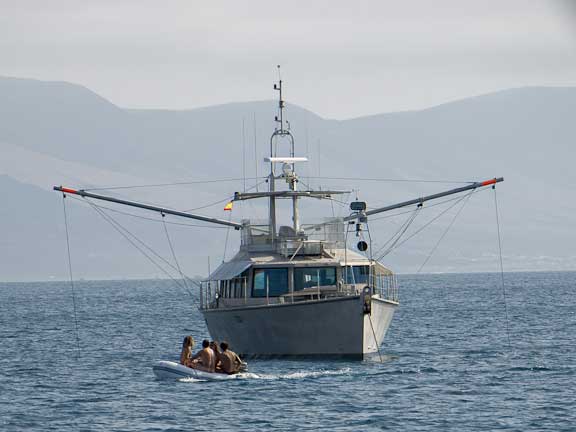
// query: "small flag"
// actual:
[[228, 207]]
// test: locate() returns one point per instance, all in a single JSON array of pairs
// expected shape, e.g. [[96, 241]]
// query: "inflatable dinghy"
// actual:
[[172, 370]]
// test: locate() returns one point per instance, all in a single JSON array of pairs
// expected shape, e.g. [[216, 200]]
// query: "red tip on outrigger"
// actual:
[[489, 182], [65, 190]]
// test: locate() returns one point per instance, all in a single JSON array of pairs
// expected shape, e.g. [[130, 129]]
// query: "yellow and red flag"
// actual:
[[228, 207]]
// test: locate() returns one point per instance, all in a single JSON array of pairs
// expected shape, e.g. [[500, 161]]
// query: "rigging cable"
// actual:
[[372, 278], [395, 238], [227, 235], [172, 184], [428, 206], [149, 218], [391, 180], [118, 227], [431, 221], [255, 149], [71, 277], [243, 155], [465, 201], [125, 233], [375, 339], [186, 287], [227, 198], [502, 267]]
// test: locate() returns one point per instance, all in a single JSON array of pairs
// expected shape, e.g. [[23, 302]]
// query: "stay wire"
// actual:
[[113, 222], [502, 269], [209, 205], [118, 227], [390, 180], [71, 277], [395, 238], [148, 218], [334, 200], [226, 241], [375, 339], [227, 198], [186, 287], [126, 233], [465, 201], [428, 206], [427, 224], [172, 184]]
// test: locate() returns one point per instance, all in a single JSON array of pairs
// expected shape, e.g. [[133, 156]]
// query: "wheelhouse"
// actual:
[[272, 279]]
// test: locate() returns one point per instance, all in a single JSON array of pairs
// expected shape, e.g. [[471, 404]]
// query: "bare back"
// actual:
[[230, 361], [207, 359]]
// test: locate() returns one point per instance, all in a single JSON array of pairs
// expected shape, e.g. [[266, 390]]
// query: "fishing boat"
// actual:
[[297, 289]]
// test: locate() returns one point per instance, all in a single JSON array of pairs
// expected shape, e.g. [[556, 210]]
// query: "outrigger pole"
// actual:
[[163, 210], [421, 200]]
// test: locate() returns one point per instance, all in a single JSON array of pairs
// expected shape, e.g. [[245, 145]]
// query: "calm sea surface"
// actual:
[[447, 364]]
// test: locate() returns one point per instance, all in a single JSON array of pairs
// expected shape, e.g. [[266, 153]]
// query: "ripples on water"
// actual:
[[447, 365]]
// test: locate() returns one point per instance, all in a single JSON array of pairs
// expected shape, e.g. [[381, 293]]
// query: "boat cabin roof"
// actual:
[[242, 261]]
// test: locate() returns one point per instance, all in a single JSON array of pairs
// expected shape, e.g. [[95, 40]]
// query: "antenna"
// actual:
[[243, 154], [281, 132], [255, 151], [281, 104]]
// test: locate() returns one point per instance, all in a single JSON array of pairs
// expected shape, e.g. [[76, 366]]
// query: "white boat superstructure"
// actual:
[[299, 297]]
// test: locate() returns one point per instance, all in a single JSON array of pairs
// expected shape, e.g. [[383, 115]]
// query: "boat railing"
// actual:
[[383, 285], [386, 286], [229, 292], [331, 233], [311, 239]]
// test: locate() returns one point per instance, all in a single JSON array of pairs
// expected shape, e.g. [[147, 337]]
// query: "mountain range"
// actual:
[[57, 133]]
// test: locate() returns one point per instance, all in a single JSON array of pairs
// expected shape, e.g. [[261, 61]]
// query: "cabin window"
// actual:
[[357, 274], [309, 277], [273, 280]]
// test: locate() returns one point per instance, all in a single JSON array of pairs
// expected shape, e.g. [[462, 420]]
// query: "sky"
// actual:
[[339, 59]]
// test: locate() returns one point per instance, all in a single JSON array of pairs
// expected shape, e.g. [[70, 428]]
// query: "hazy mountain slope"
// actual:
[[70, 122], [58, 133], [60, 119]]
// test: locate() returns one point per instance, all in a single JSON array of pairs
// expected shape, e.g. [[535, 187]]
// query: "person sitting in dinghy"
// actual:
[[186, 354], [229, 360], [217, 364], [205, 359]]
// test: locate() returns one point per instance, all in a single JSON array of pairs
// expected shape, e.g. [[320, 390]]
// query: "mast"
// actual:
[[280, 132]]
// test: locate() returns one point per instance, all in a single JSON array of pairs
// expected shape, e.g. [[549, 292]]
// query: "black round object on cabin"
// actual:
[[362, 246]]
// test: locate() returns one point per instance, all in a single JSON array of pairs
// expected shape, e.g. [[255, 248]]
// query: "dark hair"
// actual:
[[224, 346], [205, 343]]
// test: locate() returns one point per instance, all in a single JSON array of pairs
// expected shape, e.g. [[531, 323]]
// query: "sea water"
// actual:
[[451, 361]]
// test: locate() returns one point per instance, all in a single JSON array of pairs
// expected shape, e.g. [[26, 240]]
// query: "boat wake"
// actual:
[[291, 376]]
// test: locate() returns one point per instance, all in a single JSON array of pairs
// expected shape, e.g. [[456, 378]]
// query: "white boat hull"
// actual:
[[171, 370], [331, 327]]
